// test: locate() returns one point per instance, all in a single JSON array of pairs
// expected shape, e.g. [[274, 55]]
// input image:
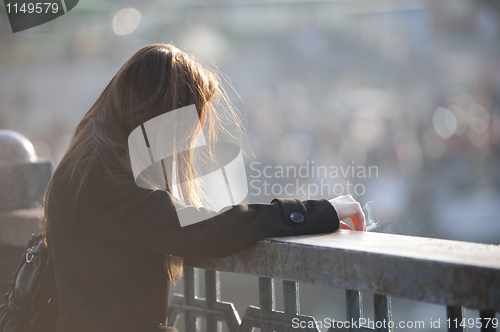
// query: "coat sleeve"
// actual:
[[148, 219]]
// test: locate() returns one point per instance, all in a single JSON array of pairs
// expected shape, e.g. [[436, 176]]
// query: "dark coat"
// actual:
[[109, 247]]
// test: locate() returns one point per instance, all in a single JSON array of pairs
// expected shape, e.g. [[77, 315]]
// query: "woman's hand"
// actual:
[[347, 207]]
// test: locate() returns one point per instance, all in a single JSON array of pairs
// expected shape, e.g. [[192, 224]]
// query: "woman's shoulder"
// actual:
[[82, 184]]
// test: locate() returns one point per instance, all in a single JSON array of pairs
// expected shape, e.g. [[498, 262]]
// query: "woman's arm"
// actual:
[[148, 219]]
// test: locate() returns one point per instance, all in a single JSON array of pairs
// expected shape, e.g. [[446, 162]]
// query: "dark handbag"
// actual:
[[30, 303]]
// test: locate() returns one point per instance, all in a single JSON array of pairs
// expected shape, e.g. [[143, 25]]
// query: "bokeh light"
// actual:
[[126, 21], [444, 122]]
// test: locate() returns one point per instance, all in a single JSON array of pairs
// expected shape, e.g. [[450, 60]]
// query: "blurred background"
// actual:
[[409, 88]]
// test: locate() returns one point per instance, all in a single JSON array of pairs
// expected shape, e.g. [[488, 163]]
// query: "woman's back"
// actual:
[[103, 284]]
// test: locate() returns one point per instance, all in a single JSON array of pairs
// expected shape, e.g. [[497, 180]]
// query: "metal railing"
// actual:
[[451, 273]]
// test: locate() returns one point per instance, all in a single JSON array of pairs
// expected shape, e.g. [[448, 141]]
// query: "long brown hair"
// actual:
[[156, 79]]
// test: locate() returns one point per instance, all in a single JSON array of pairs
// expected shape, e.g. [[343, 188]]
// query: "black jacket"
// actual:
[[109, 246]]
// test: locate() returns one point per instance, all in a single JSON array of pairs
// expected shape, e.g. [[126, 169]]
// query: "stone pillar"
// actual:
[[23, 179]]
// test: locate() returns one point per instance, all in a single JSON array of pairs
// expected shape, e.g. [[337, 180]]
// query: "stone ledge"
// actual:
[[430, 270], [22, 185]]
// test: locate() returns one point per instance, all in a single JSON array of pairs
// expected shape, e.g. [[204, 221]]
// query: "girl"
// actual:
[[115, 245]]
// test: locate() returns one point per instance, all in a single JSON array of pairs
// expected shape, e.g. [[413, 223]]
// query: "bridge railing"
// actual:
[[455, 274]]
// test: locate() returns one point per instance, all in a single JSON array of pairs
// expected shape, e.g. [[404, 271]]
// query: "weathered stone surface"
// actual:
[[22, 185]]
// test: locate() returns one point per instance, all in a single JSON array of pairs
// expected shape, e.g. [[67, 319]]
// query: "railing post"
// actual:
[[212, 291], [267, 302], [354, 308], [456, 316], [292, 302], [487, 317], [383, 312], [190, 295]]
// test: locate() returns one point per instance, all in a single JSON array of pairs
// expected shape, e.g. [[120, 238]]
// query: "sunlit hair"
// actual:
[[156, 79]]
